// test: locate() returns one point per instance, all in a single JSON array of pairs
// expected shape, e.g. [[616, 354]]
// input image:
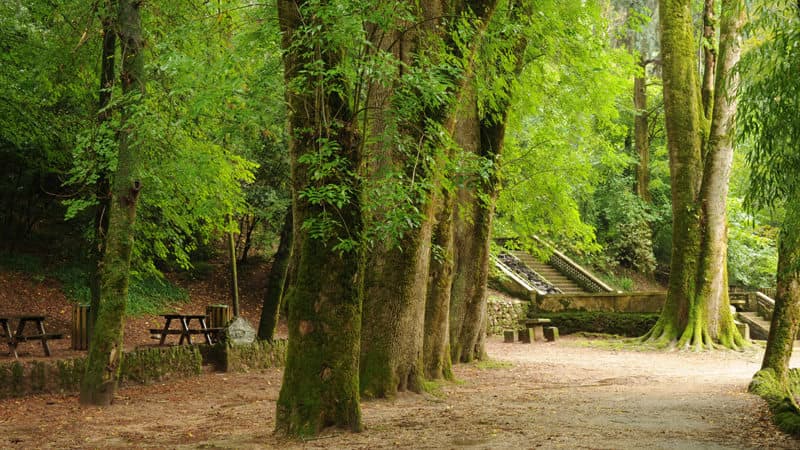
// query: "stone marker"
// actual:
[[509, 336], [240, 332]]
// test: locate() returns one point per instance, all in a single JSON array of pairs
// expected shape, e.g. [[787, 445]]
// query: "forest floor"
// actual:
[[576, 393]]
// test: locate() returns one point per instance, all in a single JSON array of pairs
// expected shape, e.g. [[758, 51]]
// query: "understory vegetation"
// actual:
[[377, 153]]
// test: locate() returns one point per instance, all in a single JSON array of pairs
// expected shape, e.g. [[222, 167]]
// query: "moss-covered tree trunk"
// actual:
[[320, 381], [482, 133], [105, 352], [699, 138], [470, 235], [108, 74], [270, 312], [436, 346], [786, 317]]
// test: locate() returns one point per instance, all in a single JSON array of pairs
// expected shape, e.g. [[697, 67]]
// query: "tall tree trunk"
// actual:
[[436, 346], [641, 133], [105, 354], [697, 313], [107, 76], [320, 381], [786, 317], [471, 234], [277, 277], [396, 282], [484, 134]]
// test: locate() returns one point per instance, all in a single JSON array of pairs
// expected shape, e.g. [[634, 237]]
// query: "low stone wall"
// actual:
[[18, 378], [256, 356], [145, 366], [504, 314], [631, 302]]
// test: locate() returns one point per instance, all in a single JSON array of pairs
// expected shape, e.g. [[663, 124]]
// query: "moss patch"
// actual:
[[781, 401]]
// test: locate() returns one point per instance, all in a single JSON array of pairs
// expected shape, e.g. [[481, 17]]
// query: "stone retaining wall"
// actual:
[[503, 314]]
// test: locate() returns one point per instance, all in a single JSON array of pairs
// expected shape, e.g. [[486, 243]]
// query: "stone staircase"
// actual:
[[550, 274], [756, 312]]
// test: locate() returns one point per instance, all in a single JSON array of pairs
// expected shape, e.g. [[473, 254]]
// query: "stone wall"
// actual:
[[630, 302], [503, 314], [42, 376]]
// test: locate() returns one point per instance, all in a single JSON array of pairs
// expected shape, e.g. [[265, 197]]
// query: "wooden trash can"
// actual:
[[218, 316], [81, 327]]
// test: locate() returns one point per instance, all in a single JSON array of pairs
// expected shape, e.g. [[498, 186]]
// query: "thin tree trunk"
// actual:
[[277, 276], [105, 354], [436, 346], [710, 55], [641, 133], [107, 76]]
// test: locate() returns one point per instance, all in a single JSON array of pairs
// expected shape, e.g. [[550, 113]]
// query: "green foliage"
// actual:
[[623, 222], [563, 131], [769, 109], [752, 253]]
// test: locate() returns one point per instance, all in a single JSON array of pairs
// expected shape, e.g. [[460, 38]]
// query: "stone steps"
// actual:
[[759, 327], [550, 273]]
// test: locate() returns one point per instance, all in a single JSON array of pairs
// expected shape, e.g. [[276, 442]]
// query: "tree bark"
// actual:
[[107, 75], [710, 55], [105, 353], [320, 381], [436, 346], [786, 317], [641, 133], [484, 134], [270, 312], [697, 313]]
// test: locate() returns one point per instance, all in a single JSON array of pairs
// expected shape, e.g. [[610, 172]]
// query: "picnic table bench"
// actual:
[[19, 335], [185, 329]]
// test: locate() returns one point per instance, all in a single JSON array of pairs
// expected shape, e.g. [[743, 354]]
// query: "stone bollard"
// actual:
[[509, 336], [526, 335], [551, 334]]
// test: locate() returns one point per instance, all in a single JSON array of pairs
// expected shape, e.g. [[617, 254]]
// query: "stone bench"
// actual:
[[533, 331]]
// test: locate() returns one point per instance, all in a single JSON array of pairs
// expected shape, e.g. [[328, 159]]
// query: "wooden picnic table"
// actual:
[[19, 335], [185, 330]]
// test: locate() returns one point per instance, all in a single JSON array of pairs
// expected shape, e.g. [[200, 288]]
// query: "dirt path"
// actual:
[[564, 395]]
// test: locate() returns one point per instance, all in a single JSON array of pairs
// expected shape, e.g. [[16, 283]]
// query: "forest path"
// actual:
[[569, 394]]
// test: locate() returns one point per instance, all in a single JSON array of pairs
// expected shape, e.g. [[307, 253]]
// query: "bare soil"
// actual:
[[575, 393]]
